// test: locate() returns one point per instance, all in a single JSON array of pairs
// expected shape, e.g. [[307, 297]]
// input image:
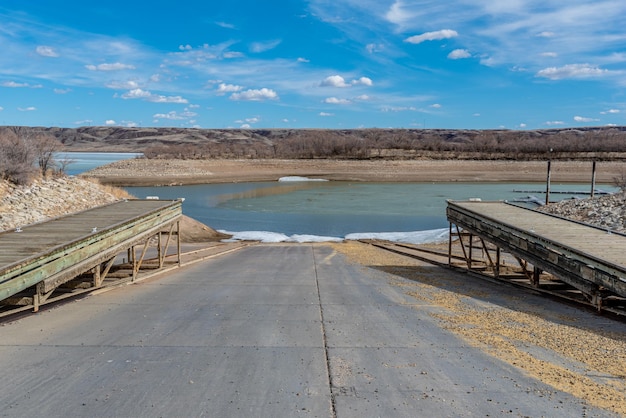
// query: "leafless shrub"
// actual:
[[620, 181]]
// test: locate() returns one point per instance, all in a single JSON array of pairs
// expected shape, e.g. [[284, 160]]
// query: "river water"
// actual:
[[299, 210]]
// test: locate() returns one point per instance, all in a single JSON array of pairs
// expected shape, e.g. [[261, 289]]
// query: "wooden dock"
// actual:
[[591, 260], [36, 260]]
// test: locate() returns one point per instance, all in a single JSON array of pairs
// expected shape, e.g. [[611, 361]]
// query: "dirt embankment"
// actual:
[[145, 172]]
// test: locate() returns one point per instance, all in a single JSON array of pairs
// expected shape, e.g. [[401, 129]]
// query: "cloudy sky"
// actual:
[[516, 64]]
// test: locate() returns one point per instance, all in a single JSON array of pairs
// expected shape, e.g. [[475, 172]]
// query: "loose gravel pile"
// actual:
[[607, 211]]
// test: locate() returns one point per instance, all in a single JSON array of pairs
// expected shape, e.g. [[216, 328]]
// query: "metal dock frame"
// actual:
[[596, 278]]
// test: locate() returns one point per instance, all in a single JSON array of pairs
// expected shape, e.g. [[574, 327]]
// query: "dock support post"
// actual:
[[535, 277], [497, 271], [178, 242], [450, 244]]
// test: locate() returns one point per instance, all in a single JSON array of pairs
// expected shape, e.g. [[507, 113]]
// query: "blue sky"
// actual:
[[475, 64]]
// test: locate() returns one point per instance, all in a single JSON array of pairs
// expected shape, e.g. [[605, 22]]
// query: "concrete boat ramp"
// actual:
[[282, 330]]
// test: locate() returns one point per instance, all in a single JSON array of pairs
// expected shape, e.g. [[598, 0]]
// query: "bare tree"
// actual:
[[45, 148], [16, 158]]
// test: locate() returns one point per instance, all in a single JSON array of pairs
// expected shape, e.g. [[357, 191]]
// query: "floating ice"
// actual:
[[414, 237], [298, 178]]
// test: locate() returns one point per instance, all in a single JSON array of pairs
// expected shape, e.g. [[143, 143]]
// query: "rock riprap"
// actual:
[[48, 198], [608, 211]]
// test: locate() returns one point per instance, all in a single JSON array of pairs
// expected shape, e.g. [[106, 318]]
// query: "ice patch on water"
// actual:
[[414, 237], [298, 178], [269, 237]]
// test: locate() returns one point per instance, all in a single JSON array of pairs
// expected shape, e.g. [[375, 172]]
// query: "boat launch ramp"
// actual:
[[83, 250]]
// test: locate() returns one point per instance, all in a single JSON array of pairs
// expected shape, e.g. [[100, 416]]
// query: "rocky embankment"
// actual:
[[49, 198], [608, 211]]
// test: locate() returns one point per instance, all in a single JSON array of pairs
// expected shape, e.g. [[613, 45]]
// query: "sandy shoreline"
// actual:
[[144, 172]]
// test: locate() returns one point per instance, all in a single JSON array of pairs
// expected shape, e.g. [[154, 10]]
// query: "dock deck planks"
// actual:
[[589, 258], [42, 237]]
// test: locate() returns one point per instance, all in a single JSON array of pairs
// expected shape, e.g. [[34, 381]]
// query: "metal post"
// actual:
[[548, 182], [593, 179]]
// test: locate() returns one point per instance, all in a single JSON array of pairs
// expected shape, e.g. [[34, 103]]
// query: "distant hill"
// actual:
[[610, 142]]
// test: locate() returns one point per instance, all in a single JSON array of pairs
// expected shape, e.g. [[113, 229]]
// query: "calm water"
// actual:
[[333, 209], [328, 209], [85, 161]]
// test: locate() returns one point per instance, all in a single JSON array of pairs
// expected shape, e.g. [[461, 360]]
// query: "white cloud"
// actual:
[[459, 54], [155, 98], [46, 51], [363, 97], [185, 47], [476, 115], [339, 81], [253, 120], [225, 25], [399, 109], [334, 81], [62, 91], [432, 36], [436, 105], [13, 84], [173, 115], [326, 114], [572, 71], [549, 54], [372, 48], [335, 100], [122, 85], [258, 47], [110, 122], [137, 94], [610, 111], [224, 88], [397, 14], [233, 54], [363, 81], [300, 59], [585, 119], [255, 95], [27, 109], [1, 108], [546, 34], [117, 66], [245, 126], [555, 123]]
